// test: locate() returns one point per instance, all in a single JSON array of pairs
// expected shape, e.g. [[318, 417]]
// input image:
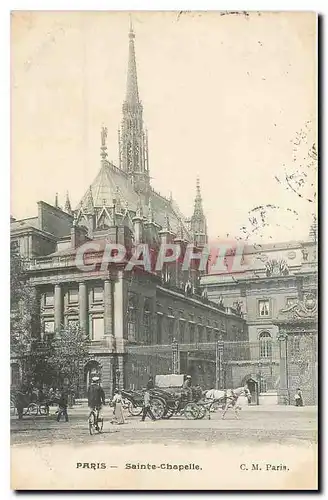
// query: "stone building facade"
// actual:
[[114, 307], [274, 278]]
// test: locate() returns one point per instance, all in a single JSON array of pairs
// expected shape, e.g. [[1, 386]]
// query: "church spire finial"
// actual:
[[68, 207], [132, 138], [132, 92], [131, 32], [103, 149], [198, 220]]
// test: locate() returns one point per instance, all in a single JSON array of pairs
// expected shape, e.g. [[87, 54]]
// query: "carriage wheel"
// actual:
[[157, 408], [92, 423], [169, 413], [202, 410], [125, 404], [32, 409], [135, 411], [44, 409], [12, 406], [191, 411], [100, 424]]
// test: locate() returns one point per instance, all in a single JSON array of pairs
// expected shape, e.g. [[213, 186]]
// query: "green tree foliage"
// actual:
[[67, 357]]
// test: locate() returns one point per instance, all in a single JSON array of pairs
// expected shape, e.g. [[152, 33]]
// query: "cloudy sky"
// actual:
[[224, 98]]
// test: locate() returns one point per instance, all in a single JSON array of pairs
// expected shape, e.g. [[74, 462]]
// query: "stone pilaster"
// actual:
[[120, 307], [83, 307], [58, 307], [283, 394], [108, 308]]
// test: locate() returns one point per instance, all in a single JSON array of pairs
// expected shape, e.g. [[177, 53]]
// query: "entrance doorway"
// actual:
[[253, 388]]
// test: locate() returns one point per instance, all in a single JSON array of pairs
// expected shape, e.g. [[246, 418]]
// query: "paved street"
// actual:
[[287, 425]]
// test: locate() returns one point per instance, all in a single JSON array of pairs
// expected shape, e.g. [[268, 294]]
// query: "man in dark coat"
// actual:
[[146, 410], [150, 383], [62, 403], [96, 395]]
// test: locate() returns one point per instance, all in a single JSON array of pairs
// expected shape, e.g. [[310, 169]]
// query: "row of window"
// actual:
[[73, 296], [179, 330], [96, 326]]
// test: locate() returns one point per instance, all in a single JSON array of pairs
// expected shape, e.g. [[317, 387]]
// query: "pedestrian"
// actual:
[[20, 402], [187, 387], [96, 396], [299, 398], [146, 407], [63, 402], [150, 383], [118, 408]]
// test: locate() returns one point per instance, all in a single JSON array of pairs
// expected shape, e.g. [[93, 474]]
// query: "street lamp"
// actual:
[[219, 361], [175, 357]]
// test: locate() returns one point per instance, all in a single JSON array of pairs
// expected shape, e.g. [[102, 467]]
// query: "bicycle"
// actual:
[[94, 422]]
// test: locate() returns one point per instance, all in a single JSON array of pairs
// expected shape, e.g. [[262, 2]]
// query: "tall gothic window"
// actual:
[[146, 322], [265, 345], [132, 319], [170, 328], [192, 332], [159, 329], [182, 327]]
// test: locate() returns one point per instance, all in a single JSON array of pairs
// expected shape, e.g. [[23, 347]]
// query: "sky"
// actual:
[[224, 98]]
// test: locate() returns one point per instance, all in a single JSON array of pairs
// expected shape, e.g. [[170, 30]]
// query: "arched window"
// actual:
[[265, 345]]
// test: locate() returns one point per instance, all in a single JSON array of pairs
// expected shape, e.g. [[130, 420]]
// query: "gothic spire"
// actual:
[[198, 224], [198, 208], [150, 217], [89, 206], [133, 141], [68, 207], [132, 93]]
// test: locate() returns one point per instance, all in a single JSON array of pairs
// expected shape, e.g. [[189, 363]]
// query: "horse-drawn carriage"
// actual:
[[167, 398], [133, 402], [29, 403]]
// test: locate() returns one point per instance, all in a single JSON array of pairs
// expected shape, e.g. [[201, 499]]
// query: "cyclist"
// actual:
[[96, 396]]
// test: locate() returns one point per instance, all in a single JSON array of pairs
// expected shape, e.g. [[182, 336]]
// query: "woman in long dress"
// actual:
[[118, 408]]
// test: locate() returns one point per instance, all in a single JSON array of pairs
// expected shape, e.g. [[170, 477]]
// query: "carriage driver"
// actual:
[[187, 387]]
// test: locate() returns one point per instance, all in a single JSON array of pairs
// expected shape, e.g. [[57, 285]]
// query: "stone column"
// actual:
[[120, 307], [58, 308], [120, 326], [283, 396], [108, 308], [83, 307]]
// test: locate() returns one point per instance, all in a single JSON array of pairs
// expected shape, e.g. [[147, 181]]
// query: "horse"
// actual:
[[229, 397]]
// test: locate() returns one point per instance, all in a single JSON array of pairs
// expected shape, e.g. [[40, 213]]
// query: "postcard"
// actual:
[[164, 250]]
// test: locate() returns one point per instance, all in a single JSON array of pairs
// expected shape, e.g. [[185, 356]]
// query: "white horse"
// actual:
[[229, 397]]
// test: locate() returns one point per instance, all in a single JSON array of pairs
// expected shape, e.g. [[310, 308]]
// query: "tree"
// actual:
[[68, 353], [22, 306]]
